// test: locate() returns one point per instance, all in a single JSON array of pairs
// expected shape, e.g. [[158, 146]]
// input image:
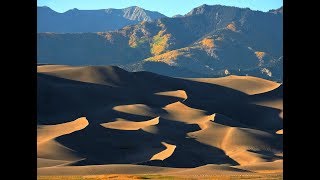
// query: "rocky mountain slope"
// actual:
[[76, 20], [209, 41]]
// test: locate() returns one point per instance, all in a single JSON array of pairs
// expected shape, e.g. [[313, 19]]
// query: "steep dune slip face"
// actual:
[[49, 151], [144, 123]]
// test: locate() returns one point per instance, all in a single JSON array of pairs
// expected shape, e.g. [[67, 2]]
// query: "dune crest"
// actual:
[[136, 109], [247, 84], [165, 153], [48, 132], [279, 131], [52, 153], [122, 124], [178, 93], [180, 112], [52, 68]]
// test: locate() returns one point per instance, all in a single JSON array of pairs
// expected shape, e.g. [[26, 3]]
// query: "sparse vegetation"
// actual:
[[168, 57], [160, 43], [208, 43], [135, 42], [260, 54], [231, 27]]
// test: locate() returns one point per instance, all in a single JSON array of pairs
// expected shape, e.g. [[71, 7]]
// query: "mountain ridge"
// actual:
[[211, 41], [75, 20]]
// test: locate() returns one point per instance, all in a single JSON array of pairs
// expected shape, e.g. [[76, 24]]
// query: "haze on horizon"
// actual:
[[166, 7]]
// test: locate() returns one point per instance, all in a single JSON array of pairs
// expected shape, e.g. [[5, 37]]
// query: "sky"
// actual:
[[166, 7]]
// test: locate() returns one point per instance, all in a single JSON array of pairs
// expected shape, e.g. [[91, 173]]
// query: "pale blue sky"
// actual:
[[166, 7]]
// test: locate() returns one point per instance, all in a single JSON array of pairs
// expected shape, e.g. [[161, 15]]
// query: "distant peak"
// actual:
[[277, 11], [44, 7], [203, 8], [134, 7], [178, 15], [72, 10]]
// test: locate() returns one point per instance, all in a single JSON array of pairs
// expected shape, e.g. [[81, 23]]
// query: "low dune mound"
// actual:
[[53, 153], [136, 109], [41, 162], [211, 169], [122, 124], [179, 94], [165, 153], [264, 167], [106, 169], [247, 84]]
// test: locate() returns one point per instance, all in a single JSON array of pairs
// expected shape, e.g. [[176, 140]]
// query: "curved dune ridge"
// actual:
[[279, 131], [247, 84], [48, 132], [52, 153], [180, 112], [201, 126], [178, 93], [136, 109], [165, 153], [122, 124]]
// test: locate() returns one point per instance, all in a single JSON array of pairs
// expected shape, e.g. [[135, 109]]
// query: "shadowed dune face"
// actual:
[[147, 119]]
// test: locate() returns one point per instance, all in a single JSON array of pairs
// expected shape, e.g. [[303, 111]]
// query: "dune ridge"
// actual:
[[165, 153], [122, 124]]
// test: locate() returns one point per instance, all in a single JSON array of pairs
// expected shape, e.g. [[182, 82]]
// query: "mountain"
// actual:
[[209, 41], [75, 20], [178, 15], [277, 11]]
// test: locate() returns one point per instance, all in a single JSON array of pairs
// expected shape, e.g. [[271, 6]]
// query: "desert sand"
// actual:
[[102, 120]]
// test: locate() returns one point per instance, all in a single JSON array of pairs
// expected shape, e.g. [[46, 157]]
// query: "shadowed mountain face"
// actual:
[[75, 20], [209, 41], [97, 115]]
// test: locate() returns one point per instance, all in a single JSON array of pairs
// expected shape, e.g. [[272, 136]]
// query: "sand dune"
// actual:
[[247, 84], [105, 169], [136, 109], [52, 153], [179, 94], [264, 167], [122, 124], [103, 120], [112, 76], [48, 132], [279, 131], [165, 153], [180, 112], [53, 68]]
